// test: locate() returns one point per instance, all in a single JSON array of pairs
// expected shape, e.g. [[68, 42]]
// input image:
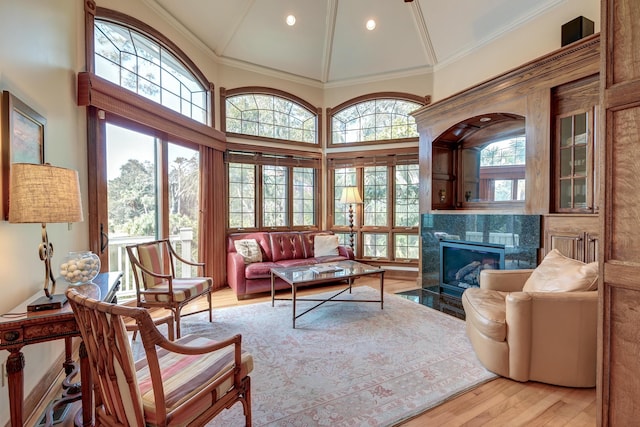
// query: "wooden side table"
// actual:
[[42, 326]]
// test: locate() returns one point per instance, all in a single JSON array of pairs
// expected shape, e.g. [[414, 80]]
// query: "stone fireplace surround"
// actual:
[[519, 233]]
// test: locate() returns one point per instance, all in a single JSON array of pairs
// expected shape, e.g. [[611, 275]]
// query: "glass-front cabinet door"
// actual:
[[575, 163]]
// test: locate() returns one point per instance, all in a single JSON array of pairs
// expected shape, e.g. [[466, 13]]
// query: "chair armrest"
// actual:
[[504, 280], [183, 260]]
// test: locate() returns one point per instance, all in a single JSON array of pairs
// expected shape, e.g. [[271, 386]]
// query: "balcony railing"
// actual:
[[119, 260]]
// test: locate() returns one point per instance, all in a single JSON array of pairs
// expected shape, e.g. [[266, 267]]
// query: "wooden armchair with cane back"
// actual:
[[185, 382], [157, 285]]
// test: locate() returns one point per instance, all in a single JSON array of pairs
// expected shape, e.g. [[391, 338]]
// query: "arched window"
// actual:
[[375, 118], [145, 66], [269, 113]]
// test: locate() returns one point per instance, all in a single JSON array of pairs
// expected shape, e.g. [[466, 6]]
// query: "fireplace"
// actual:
[[461, 262]]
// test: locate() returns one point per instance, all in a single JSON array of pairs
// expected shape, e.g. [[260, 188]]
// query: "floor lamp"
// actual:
[[41, 193], [350, 195]]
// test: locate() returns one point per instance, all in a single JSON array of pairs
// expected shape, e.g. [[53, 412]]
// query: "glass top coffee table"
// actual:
[[301, 276]]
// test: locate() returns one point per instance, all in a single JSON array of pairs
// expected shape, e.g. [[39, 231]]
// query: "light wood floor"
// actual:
[[501, 402]]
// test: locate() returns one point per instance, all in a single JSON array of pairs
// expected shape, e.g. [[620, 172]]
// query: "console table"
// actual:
[[27, 328]]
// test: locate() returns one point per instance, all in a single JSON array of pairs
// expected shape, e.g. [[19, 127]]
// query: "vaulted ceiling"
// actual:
[[329, 43]]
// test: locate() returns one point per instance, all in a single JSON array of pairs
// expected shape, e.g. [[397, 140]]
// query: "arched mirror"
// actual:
[[480, 162]]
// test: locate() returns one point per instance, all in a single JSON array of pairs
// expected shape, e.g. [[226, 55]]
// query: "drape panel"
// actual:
[[212, 221]]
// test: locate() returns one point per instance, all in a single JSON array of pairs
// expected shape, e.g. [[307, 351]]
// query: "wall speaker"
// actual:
[[576, 29]]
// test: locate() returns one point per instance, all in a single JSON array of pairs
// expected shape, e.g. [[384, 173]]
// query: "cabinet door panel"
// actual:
[[570, 245]]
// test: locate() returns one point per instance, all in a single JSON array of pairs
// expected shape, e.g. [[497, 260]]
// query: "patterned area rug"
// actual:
[[346, 364]]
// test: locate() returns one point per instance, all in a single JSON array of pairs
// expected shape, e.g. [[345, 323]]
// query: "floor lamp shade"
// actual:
[[41, 193]]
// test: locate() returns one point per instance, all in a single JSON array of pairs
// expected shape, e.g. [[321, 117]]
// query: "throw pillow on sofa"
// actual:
[[325, 245], [249, 249], [558, 273]]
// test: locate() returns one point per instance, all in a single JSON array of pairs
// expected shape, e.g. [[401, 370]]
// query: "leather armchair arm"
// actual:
[[345, 251], [504, 280], [552, 336], [235, 273]]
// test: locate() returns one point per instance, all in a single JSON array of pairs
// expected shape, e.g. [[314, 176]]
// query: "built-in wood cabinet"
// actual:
[[574, 236]]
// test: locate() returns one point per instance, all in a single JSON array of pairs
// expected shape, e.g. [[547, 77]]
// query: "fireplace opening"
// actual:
[[461, 262]]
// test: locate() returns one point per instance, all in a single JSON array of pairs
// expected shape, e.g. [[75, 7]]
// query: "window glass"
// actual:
[[343, 177], [374, 120], [406, 246], [407, 196], [184, 204], [375, 196], [375, 245], [270, 116], [242, 200], [506, 152], [304, 192], [136, 62], [274, 197]]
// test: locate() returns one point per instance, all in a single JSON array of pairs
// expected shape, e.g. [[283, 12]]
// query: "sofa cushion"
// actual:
[[324, 245], [259, 270], [286, 245], [558, 273], [486, 310], [262, 237], [249, 249]]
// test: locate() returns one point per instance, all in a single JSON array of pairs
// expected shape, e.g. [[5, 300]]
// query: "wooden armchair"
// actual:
[[184, 382], [154, 271]]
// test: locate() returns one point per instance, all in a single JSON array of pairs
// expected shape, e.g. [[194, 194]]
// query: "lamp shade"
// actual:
[[350, 195], [44, 194]]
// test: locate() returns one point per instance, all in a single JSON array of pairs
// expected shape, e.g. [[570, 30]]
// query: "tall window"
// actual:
[[377, 118], [142, 65], [387, 224], [269, 114], [152, 180], [135, 194], [285, 196]]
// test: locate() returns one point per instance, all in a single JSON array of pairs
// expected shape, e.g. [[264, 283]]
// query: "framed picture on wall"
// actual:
[[21, 140]]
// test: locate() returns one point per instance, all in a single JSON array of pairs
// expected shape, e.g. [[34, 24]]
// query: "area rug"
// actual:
[[346, 364]]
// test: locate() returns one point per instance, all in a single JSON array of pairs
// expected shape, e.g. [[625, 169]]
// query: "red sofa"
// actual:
[[279, 249]]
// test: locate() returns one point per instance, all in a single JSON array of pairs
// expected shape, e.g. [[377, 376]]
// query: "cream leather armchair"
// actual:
[[548, 337]]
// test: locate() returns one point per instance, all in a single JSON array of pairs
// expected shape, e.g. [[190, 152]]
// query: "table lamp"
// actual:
[[350, 195], [41, 193]]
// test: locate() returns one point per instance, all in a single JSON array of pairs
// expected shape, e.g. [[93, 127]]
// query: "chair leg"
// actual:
[[210, 307], [171, 329], [177, 320], [246, 402]]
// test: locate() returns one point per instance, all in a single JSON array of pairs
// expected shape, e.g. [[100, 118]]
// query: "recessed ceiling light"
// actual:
[[291, 20], [371, 25]]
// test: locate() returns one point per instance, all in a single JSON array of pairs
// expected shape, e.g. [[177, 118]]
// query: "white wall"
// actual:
[[40, 46], [537, 37]]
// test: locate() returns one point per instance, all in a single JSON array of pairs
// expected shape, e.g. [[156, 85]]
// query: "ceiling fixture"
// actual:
[[291, 20], [371, 25]]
